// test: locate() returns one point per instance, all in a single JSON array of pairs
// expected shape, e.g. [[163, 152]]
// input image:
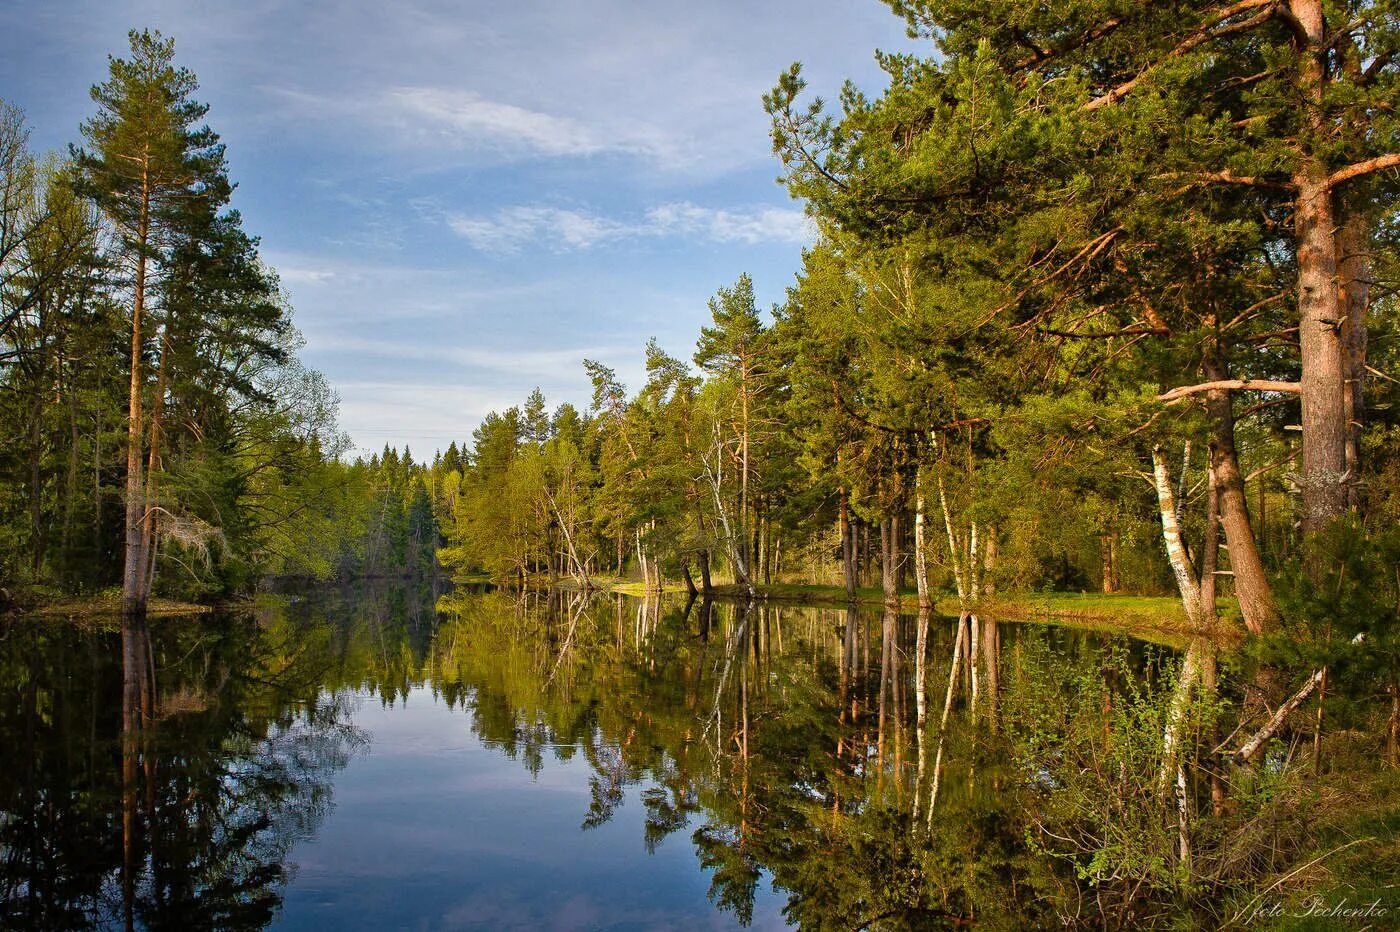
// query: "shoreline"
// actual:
[[1154, 618]]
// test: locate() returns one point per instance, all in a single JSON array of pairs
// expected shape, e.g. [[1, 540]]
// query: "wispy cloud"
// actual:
[[524, 362], [469, 119], [510, 228], [296, 275], [763, 224], [440, 118]]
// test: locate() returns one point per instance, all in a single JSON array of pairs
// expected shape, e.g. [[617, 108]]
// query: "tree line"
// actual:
[[1103, 297], [158, 423], [1084, 279]]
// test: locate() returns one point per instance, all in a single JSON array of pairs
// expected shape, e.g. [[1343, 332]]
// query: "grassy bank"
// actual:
[[1155, 618], [106, 606]]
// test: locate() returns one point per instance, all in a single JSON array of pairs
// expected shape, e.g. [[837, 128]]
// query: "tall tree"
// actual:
[[147, 162], [729, 351]]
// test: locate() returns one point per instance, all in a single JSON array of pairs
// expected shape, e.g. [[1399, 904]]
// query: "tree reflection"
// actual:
[[163, 784], [806, 744], [883, 771]]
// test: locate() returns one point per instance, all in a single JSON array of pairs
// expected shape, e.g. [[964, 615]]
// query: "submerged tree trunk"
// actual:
[[954, 663], [1182, 695], [886, 669], [138, 714]]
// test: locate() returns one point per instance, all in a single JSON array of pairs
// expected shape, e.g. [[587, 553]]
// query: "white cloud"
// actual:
[[469, 119], [533, 363], [765, 224], [428, 118], [510, 228], [293, 275]]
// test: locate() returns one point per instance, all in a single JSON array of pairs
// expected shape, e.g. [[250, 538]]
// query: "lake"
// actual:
[[397, 757]]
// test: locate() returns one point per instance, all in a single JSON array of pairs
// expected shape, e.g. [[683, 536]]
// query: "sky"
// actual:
[[464, 200]]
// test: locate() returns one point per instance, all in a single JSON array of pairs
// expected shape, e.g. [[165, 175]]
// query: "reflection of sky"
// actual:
[[465, 199], [432, 830]]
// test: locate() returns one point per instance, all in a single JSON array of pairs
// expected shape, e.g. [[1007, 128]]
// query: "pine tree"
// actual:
[[147, 165]]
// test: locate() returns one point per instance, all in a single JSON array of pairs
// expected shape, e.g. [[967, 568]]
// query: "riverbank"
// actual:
[[96, 608], [1154, 618]]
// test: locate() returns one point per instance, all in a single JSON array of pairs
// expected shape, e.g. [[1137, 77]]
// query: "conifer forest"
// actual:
[[1019, 549]]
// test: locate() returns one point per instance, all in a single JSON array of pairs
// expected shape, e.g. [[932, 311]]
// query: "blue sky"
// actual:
[[465, 200]]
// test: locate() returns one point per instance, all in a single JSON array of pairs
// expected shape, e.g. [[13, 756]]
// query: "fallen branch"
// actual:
[[1251, 746], [1288, 876]]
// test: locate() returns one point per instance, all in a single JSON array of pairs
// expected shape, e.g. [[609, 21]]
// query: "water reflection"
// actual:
[[816, 767], [158, 778]]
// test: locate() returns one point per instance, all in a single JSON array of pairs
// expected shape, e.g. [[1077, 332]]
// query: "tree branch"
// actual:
[[1248, 749], [1224, 177], [1202, 35], [1357, 169], [1234, 385]]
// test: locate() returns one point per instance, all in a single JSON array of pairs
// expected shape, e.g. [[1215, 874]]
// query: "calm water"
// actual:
[[392, 759]]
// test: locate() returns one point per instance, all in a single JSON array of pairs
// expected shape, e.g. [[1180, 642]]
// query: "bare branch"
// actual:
[[1223, 177], [1234, 385], [1248, 749], [1368, 167]]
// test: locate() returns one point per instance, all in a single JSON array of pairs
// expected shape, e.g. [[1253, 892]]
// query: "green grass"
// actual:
[[1353, 855], [108, 605], [1154, 618]]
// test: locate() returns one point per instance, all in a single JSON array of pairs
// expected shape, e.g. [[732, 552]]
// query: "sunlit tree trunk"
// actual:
[[1354, 272], [1324, 478], [848, 547], [153, 443], [1256, 599], [920, 553], [889, 555], [133, 576], [1180, 561]]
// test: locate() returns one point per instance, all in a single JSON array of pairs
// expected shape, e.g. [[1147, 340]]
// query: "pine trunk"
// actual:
[[133, 577], [1256, 598], [888, 548], [1354, 272], [1324, 478], [848, 547]]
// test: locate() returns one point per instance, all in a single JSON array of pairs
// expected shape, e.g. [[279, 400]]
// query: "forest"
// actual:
[[1101, 300], [162, 434]]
